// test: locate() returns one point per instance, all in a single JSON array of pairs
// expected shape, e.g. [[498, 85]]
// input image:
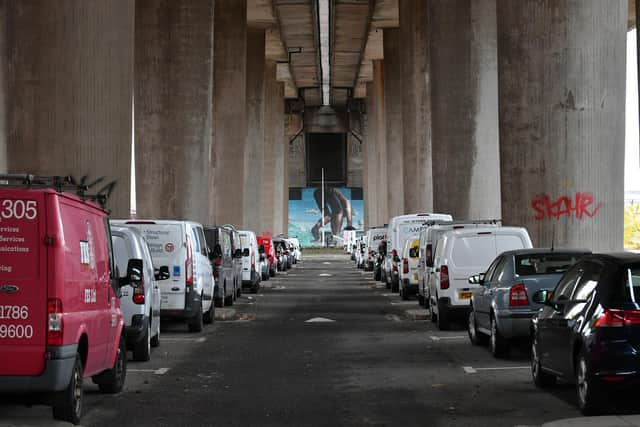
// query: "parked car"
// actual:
[[409, 270], [381, 253], [221, 258], [250, 261], [236, 250], [375, 236], [588, 331], [460, 254], [278, 245], [402, 228], [140, 304], [59, 308], [297, 249], [181, 245], [501, 308], [268, 248]]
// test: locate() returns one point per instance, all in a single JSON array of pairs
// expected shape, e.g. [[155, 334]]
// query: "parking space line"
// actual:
[[177, 339], [455, 337], [472, 370], [160, 371]]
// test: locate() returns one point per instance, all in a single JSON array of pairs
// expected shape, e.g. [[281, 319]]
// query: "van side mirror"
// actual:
[[261, 249], [245, 252], [162, 273], [238, 253], [134, 273]]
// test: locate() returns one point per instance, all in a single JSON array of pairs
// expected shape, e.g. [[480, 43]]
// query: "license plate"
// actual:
[[465, 295]]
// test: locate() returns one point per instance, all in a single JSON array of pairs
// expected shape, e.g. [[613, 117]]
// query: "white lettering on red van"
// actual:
[[19, 209], [89, 296]]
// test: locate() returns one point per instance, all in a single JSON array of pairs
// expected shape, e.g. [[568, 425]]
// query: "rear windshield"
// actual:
[[630, 291], [537, 264], [244, 241]]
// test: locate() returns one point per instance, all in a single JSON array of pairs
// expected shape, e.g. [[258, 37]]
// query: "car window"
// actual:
[[629, 289], [194, 238], [549, 263], [565, 287], [492, 268], [121, 253], [588, 282], [203, 243], [502, 270]]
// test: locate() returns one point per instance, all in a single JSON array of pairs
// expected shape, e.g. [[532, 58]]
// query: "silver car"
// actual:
[[501, 308]]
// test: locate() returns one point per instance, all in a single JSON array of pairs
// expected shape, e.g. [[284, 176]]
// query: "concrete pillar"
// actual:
[[393, 118], [69, 90], [378, 126], [254, 165], [273, 182], [173, 93], [229, 111], [369, 162], [464, 101], [282, 164], [562, 103], [416, 108]]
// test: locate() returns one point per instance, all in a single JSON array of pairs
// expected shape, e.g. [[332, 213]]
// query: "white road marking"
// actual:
[[325, 275], [160, 371], [201, 339], [319, 320], [455, 337], [326, 263], [471, 370], [393, 317]]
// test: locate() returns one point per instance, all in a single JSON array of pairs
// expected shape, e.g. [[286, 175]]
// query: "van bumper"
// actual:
[[454, 311], [55, 377], [135, 332], [251, 282], [191, 307]]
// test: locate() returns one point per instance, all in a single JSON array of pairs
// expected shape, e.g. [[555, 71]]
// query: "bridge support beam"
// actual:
[[229, 111], [562, 103], [69, 90], [464, 100], [173, 95]]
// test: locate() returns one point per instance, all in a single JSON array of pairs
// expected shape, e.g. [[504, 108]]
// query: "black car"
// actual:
[[588, 332], [222, 262]]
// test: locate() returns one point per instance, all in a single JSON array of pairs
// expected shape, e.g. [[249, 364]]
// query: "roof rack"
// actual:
[[462, 221], [60, 184]]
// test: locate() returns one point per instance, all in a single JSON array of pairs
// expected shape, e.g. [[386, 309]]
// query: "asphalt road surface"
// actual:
[[369, 365]]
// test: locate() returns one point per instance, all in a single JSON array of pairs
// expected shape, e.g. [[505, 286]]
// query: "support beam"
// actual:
[[464, 101], [69, 90], [229, 111], [416, 106], [393, 118], [254, 165], [562, 104], [173, 95], [379, 201]]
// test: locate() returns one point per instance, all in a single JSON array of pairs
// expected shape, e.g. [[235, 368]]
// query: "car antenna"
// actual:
[[553, 237]]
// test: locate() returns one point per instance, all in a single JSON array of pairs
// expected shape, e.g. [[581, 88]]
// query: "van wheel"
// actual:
[[395, 285], [196, 323], [112, 380], [155, 340], [442, 319], [209, 315], [142, 349], [403, 293], [228, 300], [239, 290], [421, 300], [67, 404]]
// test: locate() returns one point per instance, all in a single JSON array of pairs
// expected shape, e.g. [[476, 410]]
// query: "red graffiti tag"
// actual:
[[583, 207]]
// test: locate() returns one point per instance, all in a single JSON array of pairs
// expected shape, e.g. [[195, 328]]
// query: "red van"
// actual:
[[60, 318], [265, 242]]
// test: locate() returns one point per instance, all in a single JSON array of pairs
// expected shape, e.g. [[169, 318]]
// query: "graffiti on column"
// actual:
[[581, 207]]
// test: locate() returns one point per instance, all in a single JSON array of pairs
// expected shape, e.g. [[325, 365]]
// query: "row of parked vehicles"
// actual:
[[579, 312], [78, 290]]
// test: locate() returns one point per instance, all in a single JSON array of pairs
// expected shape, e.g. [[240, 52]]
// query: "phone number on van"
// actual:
[[15, 312]]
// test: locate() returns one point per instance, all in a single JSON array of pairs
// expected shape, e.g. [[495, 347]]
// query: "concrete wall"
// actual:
[[562, 104], [173, 116], [464, 95], [69, 90], [229, 111], [393, 118]]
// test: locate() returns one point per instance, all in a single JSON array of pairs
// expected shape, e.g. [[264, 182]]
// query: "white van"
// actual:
[[402, 228], [250, 261], [460, 254], [409, 270], [375, 236], [180, 245]]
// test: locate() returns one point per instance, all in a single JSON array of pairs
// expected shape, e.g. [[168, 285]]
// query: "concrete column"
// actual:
[[393, 118], [369, 162], [562, 103], [378, 126], [282, 164], [416, 108], [173, 93], [254, 164], [273, 182], [229, 110], [464, 101], [69, 90]]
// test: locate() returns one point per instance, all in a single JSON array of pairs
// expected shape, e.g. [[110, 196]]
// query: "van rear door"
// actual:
[[23, 282]]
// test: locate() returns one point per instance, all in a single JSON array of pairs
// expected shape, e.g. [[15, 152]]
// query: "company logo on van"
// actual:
[[414, 229], [378, 237], [169, 247]]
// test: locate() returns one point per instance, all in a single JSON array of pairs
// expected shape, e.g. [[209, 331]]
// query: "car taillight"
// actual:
[[55, 322], [405, 266], [216, 267], [444, 277], [253, 262], [394, 253], [188, 267], [138, 293], [612, 318], [518, 296]]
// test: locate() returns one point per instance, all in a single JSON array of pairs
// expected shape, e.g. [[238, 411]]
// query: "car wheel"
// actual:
[[476, 337], [228, 301], [395, 285], [112, 380], [67, 404], [429, 305], [142, 349], [420, 300], [499, 344], [540, 378], [588, 396], [377, 275], [442, 319], [196, 324]]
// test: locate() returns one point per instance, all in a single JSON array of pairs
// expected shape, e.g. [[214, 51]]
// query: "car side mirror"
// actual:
[[543, 296], [245, 252], [162, 273], [474, 280], [134, 273]]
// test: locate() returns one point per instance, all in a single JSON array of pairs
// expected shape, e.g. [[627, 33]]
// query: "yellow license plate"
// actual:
[[465, 295]]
